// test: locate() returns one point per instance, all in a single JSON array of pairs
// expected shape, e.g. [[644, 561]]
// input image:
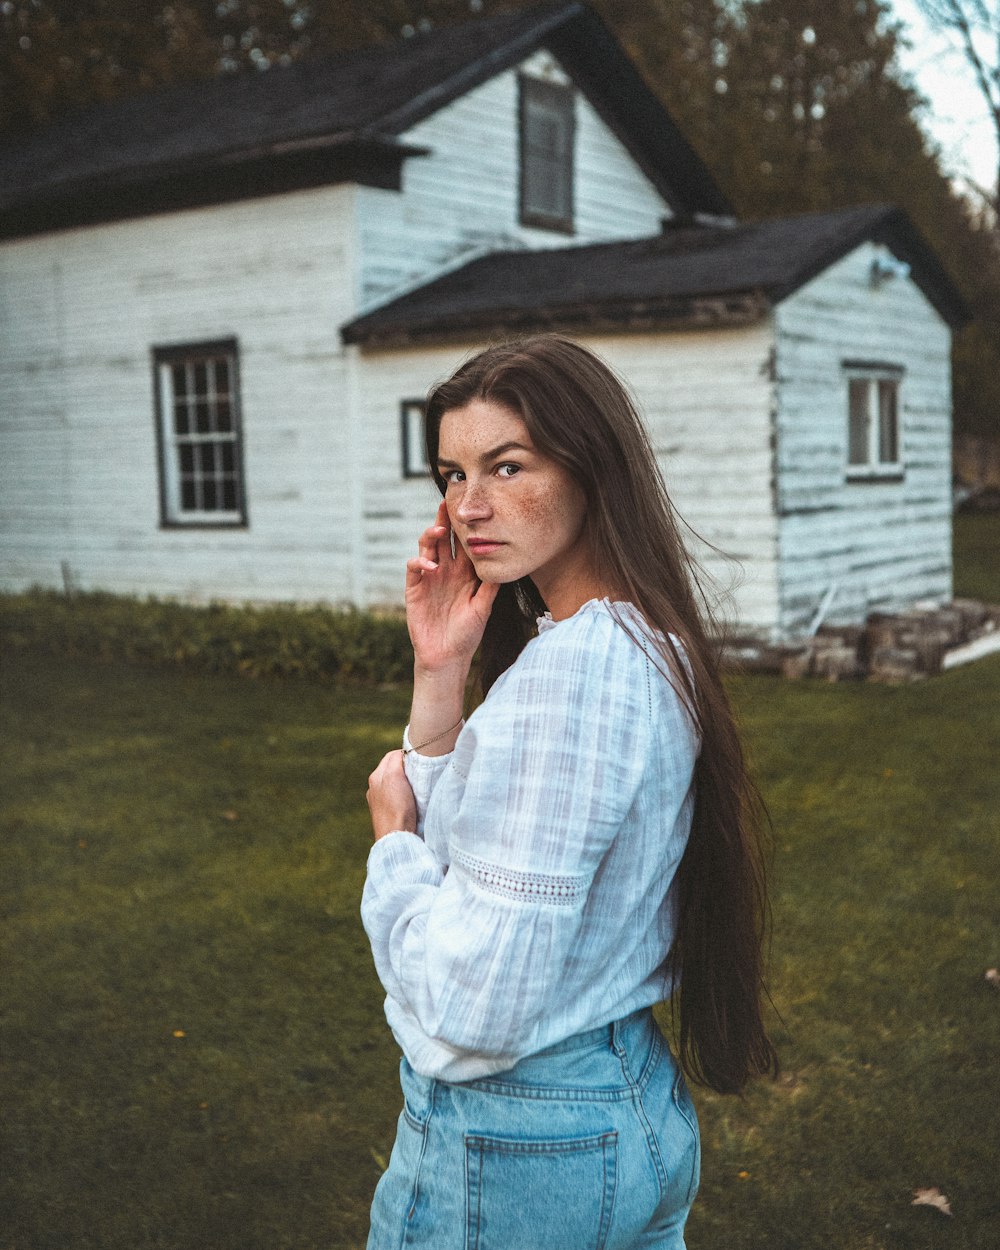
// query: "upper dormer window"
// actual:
[[547, 126]]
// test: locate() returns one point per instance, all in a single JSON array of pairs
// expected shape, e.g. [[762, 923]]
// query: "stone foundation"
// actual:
[[890, 647]]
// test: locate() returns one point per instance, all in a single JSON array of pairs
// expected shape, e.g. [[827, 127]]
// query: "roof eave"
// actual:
[[701, 312], [217, 179]]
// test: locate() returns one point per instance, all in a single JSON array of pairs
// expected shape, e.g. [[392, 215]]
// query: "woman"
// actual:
[[582, 847]]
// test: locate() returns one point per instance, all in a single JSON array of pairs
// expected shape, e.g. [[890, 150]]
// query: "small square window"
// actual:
[[873, 435], [547, 131], [198, 428], [414, 448]]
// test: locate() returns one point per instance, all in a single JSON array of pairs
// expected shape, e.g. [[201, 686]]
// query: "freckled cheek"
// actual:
[[549, 512]]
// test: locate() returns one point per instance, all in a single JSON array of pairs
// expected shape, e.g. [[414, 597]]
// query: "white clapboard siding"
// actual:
[[462, 199], [82, 311], [706, 400], [883, 543]]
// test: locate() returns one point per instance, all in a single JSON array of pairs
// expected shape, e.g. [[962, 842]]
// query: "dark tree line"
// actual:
[[793, 104]]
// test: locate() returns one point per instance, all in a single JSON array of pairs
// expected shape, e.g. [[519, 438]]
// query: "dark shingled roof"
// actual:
[[319, 121], [688, 275]]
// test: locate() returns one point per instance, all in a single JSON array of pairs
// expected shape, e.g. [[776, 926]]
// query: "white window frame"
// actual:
[[878, 383], [414, 448], [201, 456]]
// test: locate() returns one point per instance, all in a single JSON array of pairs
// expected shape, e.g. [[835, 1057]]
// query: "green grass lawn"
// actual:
[[193, 1048]]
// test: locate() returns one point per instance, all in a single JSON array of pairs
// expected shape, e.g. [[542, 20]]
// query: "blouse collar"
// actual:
[[545, 621]]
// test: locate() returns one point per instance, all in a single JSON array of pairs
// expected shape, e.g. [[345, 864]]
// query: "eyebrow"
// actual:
[[487, 456]]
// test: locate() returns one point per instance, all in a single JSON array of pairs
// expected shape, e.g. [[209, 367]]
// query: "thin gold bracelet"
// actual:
[[442, 734]]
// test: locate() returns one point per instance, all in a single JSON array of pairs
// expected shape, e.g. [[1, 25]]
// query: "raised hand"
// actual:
[[447, 606]]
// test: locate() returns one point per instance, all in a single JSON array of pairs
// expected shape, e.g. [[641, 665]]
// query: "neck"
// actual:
[[565, 596]]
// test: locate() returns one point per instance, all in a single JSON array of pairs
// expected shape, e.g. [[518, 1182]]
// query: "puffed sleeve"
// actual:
[[538, 786]]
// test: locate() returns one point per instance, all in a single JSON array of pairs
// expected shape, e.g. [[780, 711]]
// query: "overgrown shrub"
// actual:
[[277, 640]]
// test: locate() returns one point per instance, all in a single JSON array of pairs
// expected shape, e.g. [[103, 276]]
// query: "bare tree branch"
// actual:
[[967, 19]]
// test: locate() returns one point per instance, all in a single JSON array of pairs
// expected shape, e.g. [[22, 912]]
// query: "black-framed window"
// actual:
[[199, 432], [547, 132], [873, 420], [414, 449]]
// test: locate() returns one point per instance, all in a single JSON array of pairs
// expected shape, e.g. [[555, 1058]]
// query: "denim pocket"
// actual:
[[416, 1120], [548, 1194]]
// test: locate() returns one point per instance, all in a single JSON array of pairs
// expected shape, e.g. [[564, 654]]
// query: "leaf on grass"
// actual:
[[230, 815], [932, 1197], [993, 977]]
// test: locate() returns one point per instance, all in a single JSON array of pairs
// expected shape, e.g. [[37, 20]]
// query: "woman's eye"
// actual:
[[453, 475], [508, 470]]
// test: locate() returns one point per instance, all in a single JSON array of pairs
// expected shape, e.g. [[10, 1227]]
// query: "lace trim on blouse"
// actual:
[[522, 887]]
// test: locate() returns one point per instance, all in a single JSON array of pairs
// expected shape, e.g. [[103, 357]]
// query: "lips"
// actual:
[[482, 546]]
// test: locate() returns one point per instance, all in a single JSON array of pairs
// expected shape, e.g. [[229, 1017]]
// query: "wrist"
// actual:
[[383, 831], [445, 737], [452, 673]]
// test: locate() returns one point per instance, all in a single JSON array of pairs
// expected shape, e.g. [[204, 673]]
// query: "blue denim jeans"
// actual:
[[591, 1144]]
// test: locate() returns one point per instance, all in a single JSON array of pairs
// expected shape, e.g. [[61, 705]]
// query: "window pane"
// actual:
[[888, 421], [198, 430], [857, 449], [543, 134], [546, 174], [547, 150], [414, 448], [546, 192]]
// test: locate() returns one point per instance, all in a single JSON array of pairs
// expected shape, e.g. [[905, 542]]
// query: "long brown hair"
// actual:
[[579, 413]]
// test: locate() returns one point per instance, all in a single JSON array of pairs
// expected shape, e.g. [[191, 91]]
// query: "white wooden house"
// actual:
[[221, 305]]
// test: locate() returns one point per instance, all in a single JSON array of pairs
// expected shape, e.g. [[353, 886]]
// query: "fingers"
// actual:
[[485, 595], [437, 545], [389, 765], [429, 542], [415, 570], [390, 797]]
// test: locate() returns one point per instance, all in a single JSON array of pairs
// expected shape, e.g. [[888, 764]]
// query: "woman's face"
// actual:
[[516, 511]]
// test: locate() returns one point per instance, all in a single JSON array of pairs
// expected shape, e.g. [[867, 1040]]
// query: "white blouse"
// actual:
[[530, 905]]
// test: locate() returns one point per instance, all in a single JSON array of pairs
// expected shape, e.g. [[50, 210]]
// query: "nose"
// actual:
[[474, 504]]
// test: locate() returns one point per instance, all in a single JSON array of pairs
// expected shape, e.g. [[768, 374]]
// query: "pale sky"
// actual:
[[957, 117]]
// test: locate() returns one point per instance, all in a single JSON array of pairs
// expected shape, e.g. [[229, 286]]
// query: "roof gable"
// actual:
[[333, 119]]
